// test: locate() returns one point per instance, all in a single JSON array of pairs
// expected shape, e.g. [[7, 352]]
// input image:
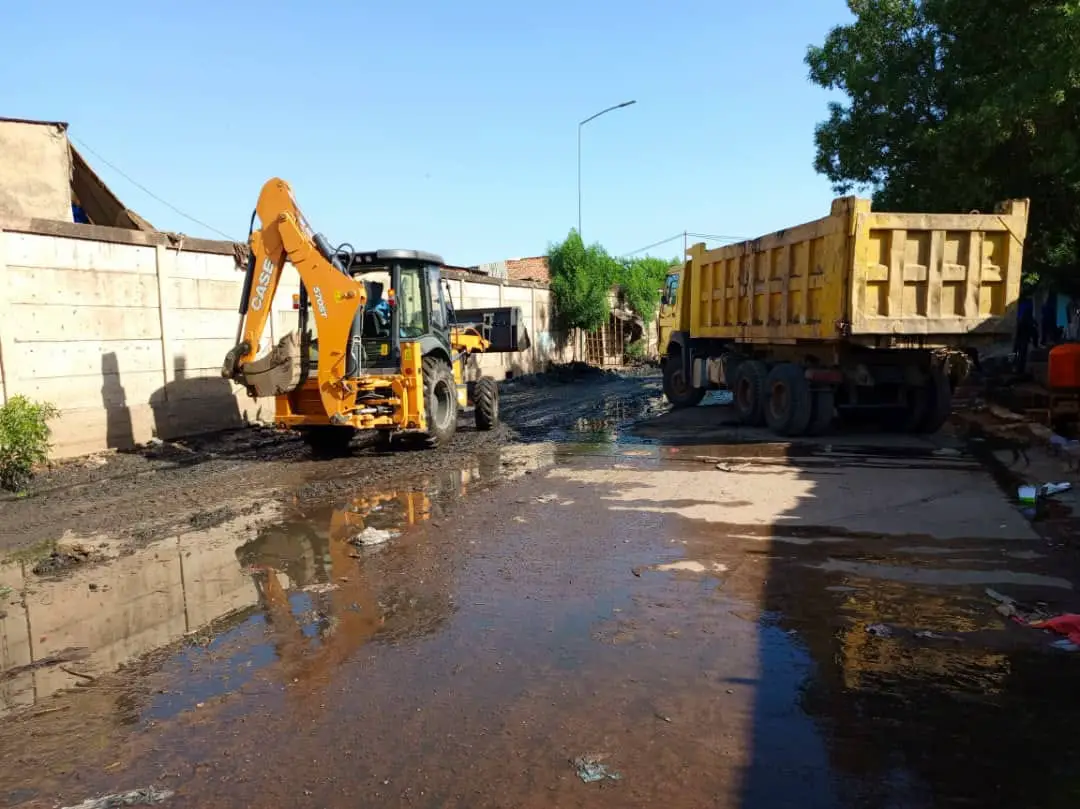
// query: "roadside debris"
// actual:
[[1011, 608], [319, 588], [62, 559], [372, 536], [150, 796], [879, 631], [591, 769], [1030, 494], [1067, 625]]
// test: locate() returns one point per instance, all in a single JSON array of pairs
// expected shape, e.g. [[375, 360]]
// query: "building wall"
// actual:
[[35, 170], [126, 331], [528, 269]]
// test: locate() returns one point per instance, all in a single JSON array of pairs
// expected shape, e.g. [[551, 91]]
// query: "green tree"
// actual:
[[642, 280], [954, 105], [581, 281]]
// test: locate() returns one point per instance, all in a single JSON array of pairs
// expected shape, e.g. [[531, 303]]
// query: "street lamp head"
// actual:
[[627, 103]]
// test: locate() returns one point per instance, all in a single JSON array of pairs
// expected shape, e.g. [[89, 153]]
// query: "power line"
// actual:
[[654, 244], [717, 237], [713, 237], [147, 191]]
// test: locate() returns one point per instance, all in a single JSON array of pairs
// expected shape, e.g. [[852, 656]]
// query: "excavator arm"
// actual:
[[284, 236]]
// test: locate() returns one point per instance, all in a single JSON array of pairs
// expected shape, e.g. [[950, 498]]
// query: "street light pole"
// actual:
[[579, 126]]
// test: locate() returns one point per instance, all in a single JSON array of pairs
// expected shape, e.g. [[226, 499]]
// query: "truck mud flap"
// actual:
[[502, 325]]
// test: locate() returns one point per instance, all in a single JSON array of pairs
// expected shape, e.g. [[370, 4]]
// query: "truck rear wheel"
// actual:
[[938, 393], [748, 392], [823, 410], [677, 387], [486, 403], [788, 403], [440, 402]]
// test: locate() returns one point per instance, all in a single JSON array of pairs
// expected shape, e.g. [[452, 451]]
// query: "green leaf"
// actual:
[[24, 440]]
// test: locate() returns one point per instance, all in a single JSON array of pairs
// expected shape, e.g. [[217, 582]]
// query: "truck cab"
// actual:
[[667, 318]]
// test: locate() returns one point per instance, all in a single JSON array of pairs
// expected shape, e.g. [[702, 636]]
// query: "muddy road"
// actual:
[[618, 607], [131, 498]]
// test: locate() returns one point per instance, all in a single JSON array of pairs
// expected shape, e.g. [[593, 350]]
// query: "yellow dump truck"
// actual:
[[859, 310]]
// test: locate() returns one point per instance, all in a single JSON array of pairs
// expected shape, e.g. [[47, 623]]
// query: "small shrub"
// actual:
[[635, 352], [24, 440]]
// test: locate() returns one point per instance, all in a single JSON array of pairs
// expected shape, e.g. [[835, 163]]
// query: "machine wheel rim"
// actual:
[[441, 405], [744, 394], [678, 382], [780, 401]]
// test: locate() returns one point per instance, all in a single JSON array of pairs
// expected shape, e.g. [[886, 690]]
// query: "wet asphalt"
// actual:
[[685, 611]]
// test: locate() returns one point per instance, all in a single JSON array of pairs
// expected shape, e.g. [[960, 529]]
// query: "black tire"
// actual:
[[486, 403], [440, 402], [384, 440], [788, 403], [823, 411], [938, 401], [748, 392], [910, 417], [329, 442], [677, 388]]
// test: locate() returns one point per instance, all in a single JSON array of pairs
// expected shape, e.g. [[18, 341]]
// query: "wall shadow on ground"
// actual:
[[194, 404], [979, 713], [983, 714]]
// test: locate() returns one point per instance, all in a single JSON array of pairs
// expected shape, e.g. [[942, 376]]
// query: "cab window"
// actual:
[[438, 311], [671, 289]]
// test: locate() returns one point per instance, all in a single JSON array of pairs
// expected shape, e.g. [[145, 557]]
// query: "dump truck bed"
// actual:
[[875, 278]]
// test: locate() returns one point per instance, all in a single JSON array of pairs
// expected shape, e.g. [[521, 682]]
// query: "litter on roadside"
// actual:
[[150, 796], [1029, 494], [1011, 608], [591, 769], [1067, 624], [319, 588], [372, 536], [879, 631]]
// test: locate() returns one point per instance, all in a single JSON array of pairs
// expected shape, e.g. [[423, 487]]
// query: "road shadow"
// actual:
[[885, 676]]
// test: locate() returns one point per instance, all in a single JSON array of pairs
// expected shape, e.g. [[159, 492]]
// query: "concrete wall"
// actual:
[[126, 331], [35, 170]]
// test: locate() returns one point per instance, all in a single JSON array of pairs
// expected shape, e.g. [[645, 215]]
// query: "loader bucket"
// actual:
[[502, 325]]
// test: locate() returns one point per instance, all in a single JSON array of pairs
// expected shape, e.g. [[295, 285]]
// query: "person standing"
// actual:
[[1027, 332]]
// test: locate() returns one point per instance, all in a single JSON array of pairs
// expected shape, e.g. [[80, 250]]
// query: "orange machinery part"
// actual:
[[1063, 367]]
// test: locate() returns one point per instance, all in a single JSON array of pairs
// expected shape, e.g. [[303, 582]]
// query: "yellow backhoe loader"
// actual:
[[378, 344]]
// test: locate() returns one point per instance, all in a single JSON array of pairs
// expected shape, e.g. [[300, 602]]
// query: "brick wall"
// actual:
[[528, 269]]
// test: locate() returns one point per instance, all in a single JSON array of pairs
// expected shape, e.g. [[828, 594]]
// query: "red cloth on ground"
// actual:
[[1067, 625]]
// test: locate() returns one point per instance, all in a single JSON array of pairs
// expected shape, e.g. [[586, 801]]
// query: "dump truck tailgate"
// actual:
[[859, 273]]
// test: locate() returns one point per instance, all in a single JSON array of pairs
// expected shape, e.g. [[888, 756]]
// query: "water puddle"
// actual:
[[299, 580]]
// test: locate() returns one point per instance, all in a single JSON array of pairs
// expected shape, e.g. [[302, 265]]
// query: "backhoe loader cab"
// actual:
[[377, 345], [405, 302]]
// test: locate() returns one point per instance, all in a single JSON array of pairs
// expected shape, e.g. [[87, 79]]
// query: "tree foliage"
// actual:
[[954, 105], [581, 281], [642, 280]]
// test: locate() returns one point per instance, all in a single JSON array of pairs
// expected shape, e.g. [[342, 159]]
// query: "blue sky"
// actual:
[[450, 127]]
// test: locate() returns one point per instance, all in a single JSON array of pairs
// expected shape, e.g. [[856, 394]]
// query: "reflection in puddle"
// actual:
[[299, 592], [59, 634]]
